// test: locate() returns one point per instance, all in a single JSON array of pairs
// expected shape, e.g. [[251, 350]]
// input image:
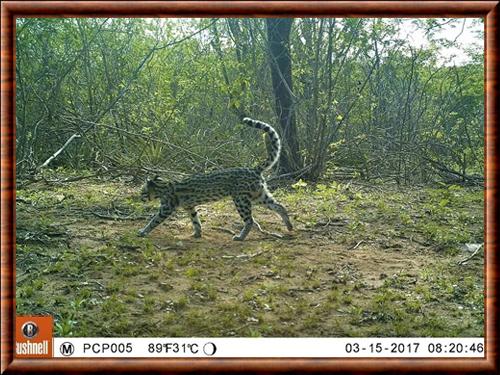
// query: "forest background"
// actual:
[[349, 96]]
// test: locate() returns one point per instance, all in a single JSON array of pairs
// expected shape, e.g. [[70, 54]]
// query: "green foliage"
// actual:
[[167, 93]]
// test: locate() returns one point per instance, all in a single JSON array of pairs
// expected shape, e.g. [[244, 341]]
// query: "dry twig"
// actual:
[[464, 261]]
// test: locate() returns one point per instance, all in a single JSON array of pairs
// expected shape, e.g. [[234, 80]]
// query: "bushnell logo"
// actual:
[[34, 336]]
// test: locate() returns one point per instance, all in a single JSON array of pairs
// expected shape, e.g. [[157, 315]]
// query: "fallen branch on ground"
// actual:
[[464, 261], [242, 255], [454, 176], [268, 233], [56, 154], [258, 227], [356, 246], [116, 217]]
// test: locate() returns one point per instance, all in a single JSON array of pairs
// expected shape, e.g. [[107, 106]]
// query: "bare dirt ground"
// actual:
[[360, 262]]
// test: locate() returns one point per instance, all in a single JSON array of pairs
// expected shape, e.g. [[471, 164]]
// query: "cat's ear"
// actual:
[[151, 180]]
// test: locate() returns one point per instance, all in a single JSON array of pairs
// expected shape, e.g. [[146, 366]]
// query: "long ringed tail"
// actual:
[[274, 154]]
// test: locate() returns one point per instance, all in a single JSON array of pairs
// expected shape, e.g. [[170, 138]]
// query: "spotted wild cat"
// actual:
[[246, 186]]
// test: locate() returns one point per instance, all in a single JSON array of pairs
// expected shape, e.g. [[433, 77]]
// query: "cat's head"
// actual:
[[154, 188]]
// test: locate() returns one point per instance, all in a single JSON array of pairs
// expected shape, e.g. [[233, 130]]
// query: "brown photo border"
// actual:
[[10, 10]]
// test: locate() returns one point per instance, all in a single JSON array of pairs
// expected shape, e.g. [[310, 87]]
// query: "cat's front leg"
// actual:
[[165, 212]]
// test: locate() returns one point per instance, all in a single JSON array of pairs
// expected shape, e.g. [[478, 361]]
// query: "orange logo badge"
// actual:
[[34, 336]]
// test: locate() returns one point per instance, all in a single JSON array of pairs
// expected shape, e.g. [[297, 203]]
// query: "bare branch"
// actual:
[[56, 154]]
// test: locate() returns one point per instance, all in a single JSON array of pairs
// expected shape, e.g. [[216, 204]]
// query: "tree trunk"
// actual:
[[278, 36]]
